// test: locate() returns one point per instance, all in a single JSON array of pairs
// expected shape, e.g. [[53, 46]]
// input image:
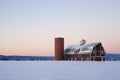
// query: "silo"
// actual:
[[59, 48]]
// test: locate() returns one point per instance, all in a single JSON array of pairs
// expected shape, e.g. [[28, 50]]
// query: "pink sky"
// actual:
[[29, 27]]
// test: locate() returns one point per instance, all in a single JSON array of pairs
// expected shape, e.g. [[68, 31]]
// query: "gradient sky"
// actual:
[[28, 27]]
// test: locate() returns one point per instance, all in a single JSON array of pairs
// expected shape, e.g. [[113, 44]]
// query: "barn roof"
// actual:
[[81, 49]]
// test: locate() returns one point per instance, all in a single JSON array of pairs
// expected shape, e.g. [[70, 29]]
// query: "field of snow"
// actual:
[[59, 70]]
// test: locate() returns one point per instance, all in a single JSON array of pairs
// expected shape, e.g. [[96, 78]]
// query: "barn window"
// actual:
[[102, 54], [98, 53], [98, 58], [92, 54]]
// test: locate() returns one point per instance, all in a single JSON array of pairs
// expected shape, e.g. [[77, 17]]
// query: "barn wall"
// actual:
[[98, 53], [79, 57]]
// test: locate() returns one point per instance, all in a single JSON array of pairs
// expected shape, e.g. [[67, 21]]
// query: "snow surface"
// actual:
[[59, 70]]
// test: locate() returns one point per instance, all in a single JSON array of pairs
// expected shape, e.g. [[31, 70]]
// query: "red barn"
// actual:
[[82, 52]]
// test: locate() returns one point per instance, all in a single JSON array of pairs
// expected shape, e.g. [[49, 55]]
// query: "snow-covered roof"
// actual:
[[81, 49]]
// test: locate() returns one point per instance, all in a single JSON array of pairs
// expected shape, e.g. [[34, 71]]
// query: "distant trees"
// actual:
[[25, 58]]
